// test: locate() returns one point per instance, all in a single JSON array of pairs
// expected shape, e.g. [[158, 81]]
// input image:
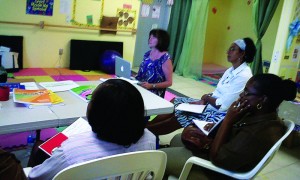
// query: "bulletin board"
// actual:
[[89, 13], [87, 17], [289, 66]]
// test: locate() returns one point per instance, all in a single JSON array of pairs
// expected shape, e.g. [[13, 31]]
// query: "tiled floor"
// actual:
[[285, 164]]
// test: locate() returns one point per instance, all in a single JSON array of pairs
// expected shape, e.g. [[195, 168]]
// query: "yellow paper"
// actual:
[[55, 99]]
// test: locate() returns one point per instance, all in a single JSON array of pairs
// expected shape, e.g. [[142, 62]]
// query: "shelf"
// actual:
[[42, 25]]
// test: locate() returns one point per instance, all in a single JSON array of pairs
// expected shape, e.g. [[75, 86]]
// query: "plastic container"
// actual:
[[30, 143]]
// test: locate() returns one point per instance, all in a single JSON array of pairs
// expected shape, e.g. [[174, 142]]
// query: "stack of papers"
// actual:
[[30, 85], [194, 108], [59, 85], [130, 80], [125, 79]]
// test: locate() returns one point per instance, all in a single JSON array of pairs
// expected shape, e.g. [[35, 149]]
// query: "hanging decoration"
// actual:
[[214, 10], [126, 18], [294, 31]]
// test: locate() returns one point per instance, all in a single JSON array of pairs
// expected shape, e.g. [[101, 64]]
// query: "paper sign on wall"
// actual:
[[296, 54], [145, 10], [127, 6], [154, 26], [155, 11], [275, 57], [89, 19], [65, 7]]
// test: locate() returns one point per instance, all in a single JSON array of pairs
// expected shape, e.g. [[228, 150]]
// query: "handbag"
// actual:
[[195, 140]]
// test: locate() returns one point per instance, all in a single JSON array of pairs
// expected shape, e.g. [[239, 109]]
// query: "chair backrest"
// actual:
[[134, 165], [267, 158]]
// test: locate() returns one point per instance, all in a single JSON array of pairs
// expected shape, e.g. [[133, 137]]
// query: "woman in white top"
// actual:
[[231, 84]]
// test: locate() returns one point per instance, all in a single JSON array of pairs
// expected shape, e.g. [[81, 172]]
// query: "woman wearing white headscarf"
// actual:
[[230, 85]]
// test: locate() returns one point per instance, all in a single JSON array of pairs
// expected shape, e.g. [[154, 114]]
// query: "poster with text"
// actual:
[[40, 7]]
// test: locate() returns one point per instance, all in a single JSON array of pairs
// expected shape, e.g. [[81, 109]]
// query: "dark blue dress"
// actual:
[[151, 71]]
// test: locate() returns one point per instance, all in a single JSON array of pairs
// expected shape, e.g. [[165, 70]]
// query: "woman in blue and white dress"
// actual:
[[155, 72], [230, 85]]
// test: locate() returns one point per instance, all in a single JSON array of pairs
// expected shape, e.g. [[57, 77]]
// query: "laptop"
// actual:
[[122, 68]]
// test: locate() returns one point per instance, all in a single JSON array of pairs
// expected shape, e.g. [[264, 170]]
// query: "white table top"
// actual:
[[74, 107], [18, 118], [155, 105]]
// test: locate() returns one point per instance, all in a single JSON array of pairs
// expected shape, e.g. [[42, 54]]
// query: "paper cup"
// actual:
[[4, 93]]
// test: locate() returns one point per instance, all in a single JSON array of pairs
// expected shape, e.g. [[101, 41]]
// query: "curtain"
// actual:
[[177, 27], [191, 57], [263, 11]]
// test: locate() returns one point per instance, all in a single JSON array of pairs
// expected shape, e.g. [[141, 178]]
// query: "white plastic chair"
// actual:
[[134, 165], [237, 175]]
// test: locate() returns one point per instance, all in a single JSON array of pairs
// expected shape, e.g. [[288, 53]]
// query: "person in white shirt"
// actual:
[[116, 115], [231, 84]]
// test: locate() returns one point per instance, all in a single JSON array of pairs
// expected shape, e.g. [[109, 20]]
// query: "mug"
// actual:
[[4, 93]]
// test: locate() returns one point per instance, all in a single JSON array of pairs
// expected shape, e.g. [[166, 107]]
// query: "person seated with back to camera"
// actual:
[[249, 130], [116, 115], [155, 71], [231, 84], [10, 166]]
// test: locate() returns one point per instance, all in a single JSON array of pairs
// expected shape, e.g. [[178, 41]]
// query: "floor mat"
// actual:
[[211, 79], [59, 74], [210, 68]]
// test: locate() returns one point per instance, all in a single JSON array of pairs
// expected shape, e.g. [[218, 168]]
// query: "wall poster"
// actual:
[[40, 7]]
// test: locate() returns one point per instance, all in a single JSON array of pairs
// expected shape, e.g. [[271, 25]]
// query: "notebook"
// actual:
[[194, 108], [200, 124], [122, 68]]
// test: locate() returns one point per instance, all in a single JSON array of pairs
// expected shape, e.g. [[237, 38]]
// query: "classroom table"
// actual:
[[75, 107], [18, 118]]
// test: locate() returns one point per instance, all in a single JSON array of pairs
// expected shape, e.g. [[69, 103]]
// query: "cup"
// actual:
[[4, 93]]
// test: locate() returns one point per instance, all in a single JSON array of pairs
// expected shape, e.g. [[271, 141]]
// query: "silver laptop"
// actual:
[[122, 68]]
